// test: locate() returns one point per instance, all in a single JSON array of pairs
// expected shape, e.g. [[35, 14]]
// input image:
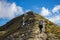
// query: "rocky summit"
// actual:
[[30, 26]]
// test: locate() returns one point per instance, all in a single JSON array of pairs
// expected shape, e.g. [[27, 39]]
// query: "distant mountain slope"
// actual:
[[16, 30]]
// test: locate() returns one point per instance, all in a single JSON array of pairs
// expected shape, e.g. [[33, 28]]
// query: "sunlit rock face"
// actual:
[[26, 27]]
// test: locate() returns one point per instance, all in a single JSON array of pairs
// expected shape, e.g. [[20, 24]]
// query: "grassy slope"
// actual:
[[51, 28], [13, 24]]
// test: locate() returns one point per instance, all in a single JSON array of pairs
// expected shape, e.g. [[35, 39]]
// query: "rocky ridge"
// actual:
[[16, 30]]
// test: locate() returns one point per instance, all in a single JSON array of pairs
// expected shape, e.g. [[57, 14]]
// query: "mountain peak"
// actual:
[[26, 27], [30, 12]]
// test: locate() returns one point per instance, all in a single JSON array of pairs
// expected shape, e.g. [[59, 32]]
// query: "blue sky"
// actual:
[[9, 9]]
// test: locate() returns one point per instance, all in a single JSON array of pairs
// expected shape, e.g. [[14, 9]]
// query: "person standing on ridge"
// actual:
[[40, 25]]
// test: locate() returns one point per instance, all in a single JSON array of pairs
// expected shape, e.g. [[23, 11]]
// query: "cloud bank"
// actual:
[[53, 14], [9, 10], [45, 12], [56, 9]]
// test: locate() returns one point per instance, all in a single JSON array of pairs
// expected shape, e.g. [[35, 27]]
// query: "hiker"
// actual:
[[40, 25]]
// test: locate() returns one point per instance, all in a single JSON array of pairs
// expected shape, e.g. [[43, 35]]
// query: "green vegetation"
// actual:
[[15, 23]]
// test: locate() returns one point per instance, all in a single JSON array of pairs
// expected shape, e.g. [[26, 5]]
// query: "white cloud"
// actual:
[[56, 9], [54, 19], [45, 12], [53, 14], [9, 10]]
